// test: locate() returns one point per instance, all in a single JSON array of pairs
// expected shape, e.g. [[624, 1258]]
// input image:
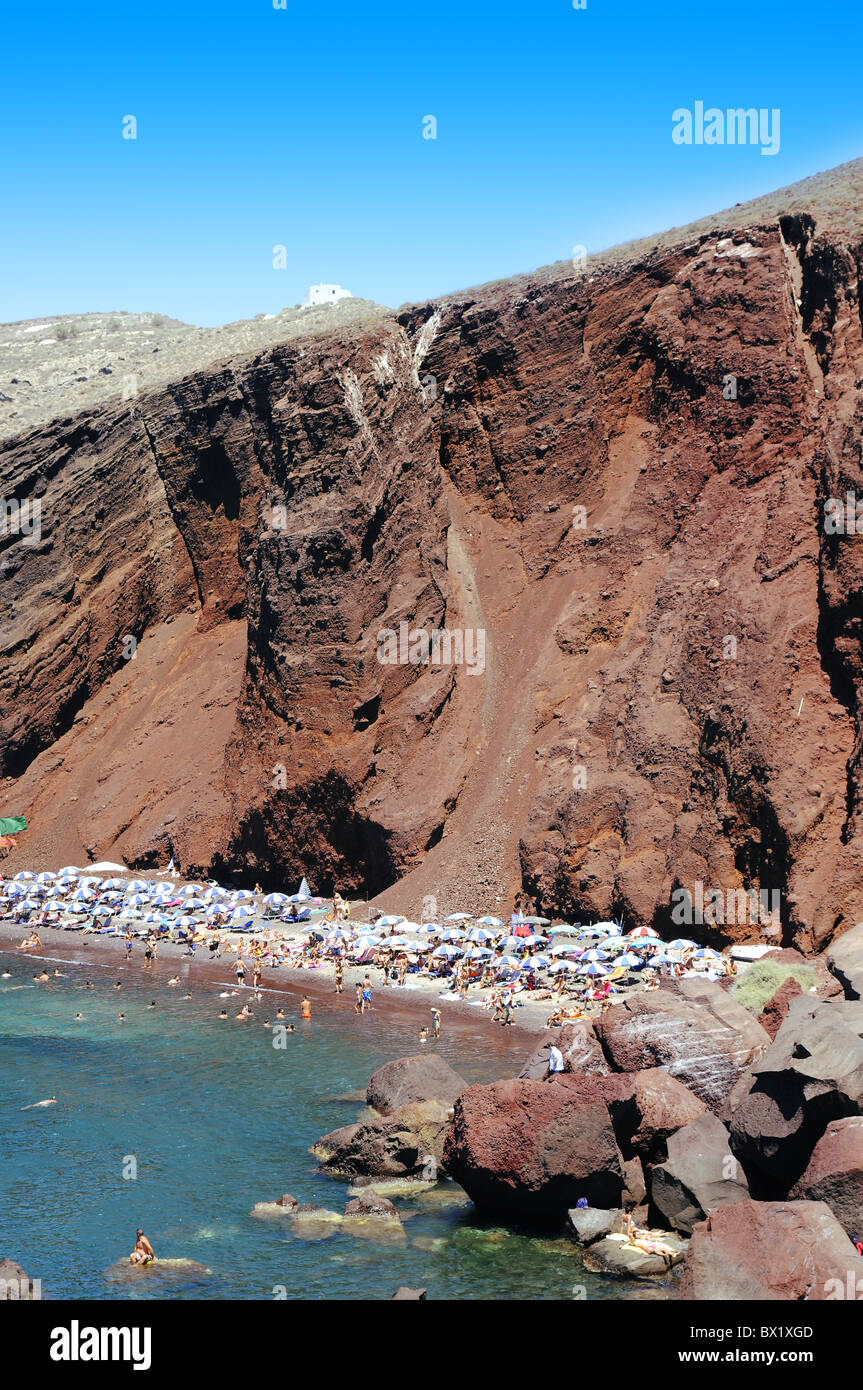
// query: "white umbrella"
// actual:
[[447, 951]]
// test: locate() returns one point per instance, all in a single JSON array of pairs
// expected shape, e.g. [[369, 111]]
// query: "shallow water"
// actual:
[[213, 1119]]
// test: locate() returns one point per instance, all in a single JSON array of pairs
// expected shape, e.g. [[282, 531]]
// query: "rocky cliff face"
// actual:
[[609, 487]]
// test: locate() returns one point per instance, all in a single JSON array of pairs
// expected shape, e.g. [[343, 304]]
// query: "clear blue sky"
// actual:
[[302, 127]]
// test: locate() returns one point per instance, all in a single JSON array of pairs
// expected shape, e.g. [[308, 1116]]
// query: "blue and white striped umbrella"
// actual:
[[489, 922], [560, 965], [242, 910], [508, 963], [595, 955], [275, 899], [240, 894], [137, 885], [388, 921], [447, 951], [592, 969]]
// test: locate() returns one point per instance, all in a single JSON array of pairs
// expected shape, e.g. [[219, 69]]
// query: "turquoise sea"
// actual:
[[213, 1119]]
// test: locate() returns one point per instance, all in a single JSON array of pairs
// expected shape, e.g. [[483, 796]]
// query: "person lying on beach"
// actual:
[[143, 1253]]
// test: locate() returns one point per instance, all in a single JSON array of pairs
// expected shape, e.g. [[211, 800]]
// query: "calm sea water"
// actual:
[[216, 1120]]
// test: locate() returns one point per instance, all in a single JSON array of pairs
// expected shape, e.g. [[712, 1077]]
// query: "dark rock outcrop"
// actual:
[[699, 1175], [773, 1014], [811, 1074], [835, 1174], [795, 1251], [407, 1143]]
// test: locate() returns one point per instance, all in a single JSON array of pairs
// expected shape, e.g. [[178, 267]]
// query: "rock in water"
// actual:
[[412, 1079], [403, 1294], [702, 1038], [408, 1142], [528, 1148], [699, 1174], [770, 1250], [835, 1174], [14, 1283], [615, 1255]]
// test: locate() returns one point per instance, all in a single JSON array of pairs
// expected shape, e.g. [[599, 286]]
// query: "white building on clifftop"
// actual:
[[324, 294]]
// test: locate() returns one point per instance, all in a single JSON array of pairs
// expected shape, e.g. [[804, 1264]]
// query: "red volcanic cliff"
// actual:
[[619, 479]]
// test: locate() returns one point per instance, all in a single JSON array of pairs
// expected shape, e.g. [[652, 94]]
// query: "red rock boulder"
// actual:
[[764, 1251]]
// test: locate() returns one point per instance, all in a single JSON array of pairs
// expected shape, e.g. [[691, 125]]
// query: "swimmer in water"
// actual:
[[152, 1004], [424, 1034], [119, 984], [7, 975], [79, 1018], [89, 985], [40, 1104], [175, 980], [223, 1014], [143, 1253], [58, 975], [122, 1018], [280, 1013]]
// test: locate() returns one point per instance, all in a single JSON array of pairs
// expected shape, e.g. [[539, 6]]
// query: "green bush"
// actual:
[[760, 981]]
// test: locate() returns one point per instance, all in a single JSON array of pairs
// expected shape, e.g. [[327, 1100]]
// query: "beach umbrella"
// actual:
[[609, 928], [189, 890], [535, 939], [389, 921], [69, 869], [365, 943], [536, 921], [215, 891], [447, 951], [430, 928], [707, 954], [238, 895], [592, 969], [77, 907], [641, 931], [631, 961], [243, 910], [479, 953], [480, 935], [489, 922], [47, 877], [595, 955], [276, 898], [458, 917], [24, 873], [560, 965], [83, 893], [137, 885], [656, 961], [562, 930], [508, 963]]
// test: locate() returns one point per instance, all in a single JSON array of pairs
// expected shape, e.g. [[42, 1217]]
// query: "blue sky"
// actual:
[[302, 127]]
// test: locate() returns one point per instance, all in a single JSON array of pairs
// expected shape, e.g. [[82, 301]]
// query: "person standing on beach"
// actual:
[[367, 992], [240, 970], [435, 1013], [149, 952], [358, 1002], [555, 1062], [256, 968], [128, 944], [340, 974]]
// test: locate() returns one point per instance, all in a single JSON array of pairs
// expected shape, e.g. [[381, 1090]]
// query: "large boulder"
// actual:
[[658, 1106], [769, 1250], [529, 1148], [407, 1143], [700, 1173], [835, 1174], [811, 1074], [593, 1223], [580, 1047], [411, 1079], [698, 1034], [845, 961]]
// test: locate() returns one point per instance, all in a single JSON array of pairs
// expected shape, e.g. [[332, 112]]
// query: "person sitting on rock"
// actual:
[[143, 1253]]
